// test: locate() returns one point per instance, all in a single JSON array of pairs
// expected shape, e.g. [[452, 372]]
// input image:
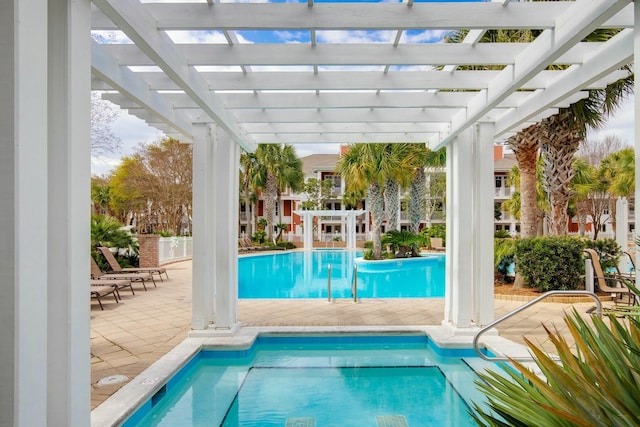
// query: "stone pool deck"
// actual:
[[128, 337]]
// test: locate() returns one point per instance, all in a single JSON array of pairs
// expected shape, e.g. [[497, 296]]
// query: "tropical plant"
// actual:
[[282, 169], [361, 168], [404, 244], [107, 231], [251, 181], [596, 384], [503, 255]]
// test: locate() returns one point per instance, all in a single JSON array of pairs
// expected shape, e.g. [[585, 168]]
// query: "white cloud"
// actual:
[[358, 36], [621, 124], [132, 131]]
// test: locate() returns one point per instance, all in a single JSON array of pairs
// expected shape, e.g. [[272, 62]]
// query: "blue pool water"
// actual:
[[304, 275], [328, 380]]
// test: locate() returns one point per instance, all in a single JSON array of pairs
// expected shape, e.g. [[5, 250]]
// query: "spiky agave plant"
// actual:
[[597, 384]]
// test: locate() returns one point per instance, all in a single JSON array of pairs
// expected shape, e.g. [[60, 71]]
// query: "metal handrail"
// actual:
[[329, 283], [354, 287], [546, 295]]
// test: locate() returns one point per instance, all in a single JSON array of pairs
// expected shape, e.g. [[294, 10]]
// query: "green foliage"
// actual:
[[165, 233], [596, 384], [368, 254], [550, 263], [259, 236], [438, 230], [403, 243], [107, 231], [368, 244], [501, 234], [504, 255], [286, 245], [608, 251]]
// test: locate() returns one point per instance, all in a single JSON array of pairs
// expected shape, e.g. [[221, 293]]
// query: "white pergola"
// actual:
[[224, 94]]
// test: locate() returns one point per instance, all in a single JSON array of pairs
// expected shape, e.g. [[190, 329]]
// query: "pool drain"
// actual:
[[113, 379]]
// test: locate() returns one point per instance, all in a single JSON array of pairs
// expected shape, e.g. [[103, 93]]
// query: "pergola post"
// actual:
[[44, 170], [459, 280], [202, 313], [636, 51], [226, 163], [483, 224]]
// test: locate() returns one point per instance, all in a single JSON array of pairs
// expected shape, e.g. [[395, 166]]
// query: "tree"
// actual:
[[318, 192], [250, 182], [361, 168], [435, 185], [153, 187], [282, 169], [103, 114], [397, 167], [100, 194]]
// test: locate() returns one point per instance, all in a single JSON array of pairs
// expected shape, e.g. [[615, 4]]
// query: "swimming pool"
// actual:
[[304, 274], [321, 380]]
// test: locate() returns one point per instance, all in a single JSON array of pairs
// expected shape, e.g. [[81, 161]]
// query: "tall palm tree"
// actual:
[[250, 182], [282, 169], [361, 168], [584, 183], [397, 165]]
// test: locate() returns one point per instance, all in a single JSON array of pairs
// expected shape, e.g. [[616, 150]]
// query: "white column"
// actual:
[[459, 232], [450, 177], [44, 176], [636, 54], [307, 219], [622, 227], [23, 214], [483, 225], [226, 163], [68, 326], [203, 206]]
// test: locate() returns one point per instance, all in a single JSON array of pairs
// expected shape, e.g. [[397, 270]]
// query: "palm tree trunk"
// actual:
[[377, 213], [392, 201], [416, 200], [528, 198], [269, 203]]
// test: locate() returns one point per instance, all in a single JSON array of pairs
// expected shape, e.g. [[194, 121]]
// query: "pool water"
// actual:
[[321, 381], [305, 275]]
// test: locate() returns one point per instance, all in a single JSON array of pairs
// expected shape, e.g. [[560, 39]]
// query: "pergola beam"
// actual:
[[573, 25], [139, 26], [133, 87], [385, 16], [347, 54]]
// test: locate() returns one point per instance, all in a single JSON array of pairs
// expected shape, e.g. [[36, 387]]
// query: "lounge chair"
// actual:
[[115, 284], [436, 244], [141, 278], [601, 280], [98, 292], [115, 266]]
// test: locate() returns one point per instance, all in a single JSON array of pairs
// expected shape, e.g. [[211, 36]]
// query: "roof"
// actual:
[[342, 72], [319, 162], [506, 163]]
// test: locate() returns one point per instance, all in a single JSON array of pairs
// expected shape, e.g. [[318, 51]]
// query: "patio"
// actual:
[[127, 338]]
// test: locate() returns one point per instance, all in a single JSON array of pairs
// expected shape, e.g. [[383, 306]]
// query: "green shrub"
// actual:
[[286, 245], [368, 244], [165, 233], [550, 263], [368, 254], [501, 234], [259, 236]]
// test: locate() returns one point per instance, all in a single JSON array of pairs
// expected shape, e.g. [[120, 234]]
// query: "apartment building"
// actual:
[[332, 228]]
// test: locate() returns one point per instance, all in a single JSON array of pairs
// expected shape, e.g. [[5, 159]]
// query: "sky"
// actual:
[[133, 131]]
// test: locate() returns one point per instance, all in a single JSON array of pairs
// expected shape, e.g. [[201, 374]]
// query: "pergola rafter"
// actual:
[[365, 91]]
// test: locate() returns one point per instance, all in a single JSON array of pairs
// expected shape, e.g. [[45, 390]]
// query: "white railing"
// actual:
[[174, 249]]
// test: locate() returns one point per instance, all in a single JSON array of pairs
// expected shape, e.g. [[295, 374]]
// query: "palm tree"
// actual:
[[250, 182], [282, 169], [361, 169], [397, 165], [514, 204]]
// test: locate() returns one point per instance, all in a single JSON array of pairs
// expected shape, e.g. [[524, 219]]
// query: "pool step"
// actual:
[[391, 421], [301, 422]]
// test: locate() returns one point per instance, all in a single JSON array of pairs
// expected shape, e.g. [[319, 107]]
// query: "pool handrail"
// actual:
[[476, 338]]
